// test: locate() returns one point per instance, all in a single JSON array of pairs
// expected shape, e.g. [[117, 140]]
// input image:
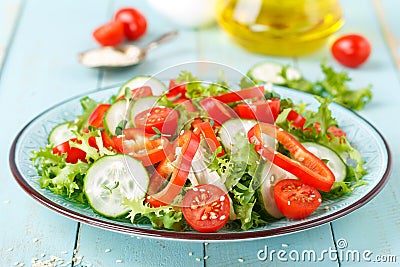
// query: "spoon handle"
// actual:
[[163, 38]]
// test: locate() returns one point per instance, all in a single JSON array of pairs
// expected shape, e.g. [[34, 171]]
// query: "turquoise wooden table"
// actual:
[[39, 40]]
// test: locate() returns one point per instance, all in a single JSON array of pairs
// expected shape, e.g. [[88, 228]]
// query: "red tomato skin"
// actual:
[[73, 154], [144, 149], [96, 118], [164, 119], [351, 50], [198, 213], [261, 110], [217, 110], [296, 200], [134, 22], [296, 119], [109, 34], [139, 92], [175, 89]]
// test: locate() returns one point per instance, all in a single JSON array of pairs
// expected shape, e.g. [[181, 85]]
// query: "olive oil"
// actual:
[[280, 27]]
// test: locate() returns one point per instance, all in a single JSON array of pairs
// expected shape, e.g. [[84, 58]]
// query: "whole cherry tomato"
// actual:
[[351, 50], [135, 23], [110, 34]]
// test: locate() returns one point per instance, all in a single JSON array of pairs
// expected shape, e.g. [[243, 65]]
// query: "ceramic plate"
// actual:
[[361, 133]]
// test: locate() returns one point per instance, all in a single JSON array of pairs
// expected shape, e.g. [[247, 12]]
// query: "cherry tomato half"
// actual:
[[162, 118], [351, 50], [110, 34], [295, 199], [134, 23], [206, 208]]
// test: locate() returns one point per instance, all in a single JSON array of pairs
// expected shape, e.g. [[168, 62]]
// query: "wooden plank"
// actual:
[[300, 249], [105, 248], [41, 70], [9, 12]]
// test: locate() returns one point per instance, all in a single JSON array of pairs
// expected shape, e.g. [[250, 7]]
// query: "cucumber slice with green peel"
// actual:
[[333, 160], [270, 175], [141, 104], [156, 85], [231, 129], [271, 72], [61, 133], [111, 179], [115, 114]]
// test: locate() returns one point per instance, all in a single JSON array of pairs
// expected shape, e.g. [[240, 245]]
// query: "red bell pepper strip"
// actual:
[[217, 110], [210, 137], [189, 143], [304, 165], [253, 92], [261, 110]]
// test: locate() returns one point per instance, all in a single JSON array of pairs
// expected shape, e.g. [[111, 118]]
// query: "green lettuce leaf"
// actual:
[[57, 175], [161, 217]]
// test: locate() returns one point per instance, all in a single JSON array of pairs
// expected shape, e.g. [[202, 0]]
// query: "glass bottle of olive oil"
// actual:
[[280, 27]]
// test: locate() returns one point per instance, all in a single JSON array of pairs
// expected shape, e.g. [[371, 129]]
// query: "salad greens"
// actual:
[[239, 172], [334, 85]]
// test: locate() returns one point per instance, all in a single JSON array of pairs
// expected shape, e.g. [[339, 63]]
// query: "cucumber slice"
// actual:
[[141, 104], [335, 163], [112, 178], [156, 85], [61, 133], [270, 72], [231, 129], [270, 175], [115, 114]]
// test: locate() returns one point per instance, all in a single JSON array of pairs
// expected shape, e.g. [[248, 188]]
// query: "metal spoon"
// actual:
[[122, 56]]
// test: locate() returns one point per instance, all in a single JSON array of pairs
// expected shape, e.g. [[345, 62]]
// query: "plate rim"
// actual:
[[194, 236]]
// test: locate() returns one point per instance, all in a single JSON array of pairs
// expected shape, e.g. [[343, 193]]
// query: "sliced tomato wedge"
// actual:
[[209, 136], [295, 199], [261, 110], [138, 144], [74, 154], [296, 119], [162, 118], [176, 89], [187, 103], [303, 164], [206, 208], [248, 93], [332, 129], [189, 143], [217, 110], [139, 92], [96, 118]]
